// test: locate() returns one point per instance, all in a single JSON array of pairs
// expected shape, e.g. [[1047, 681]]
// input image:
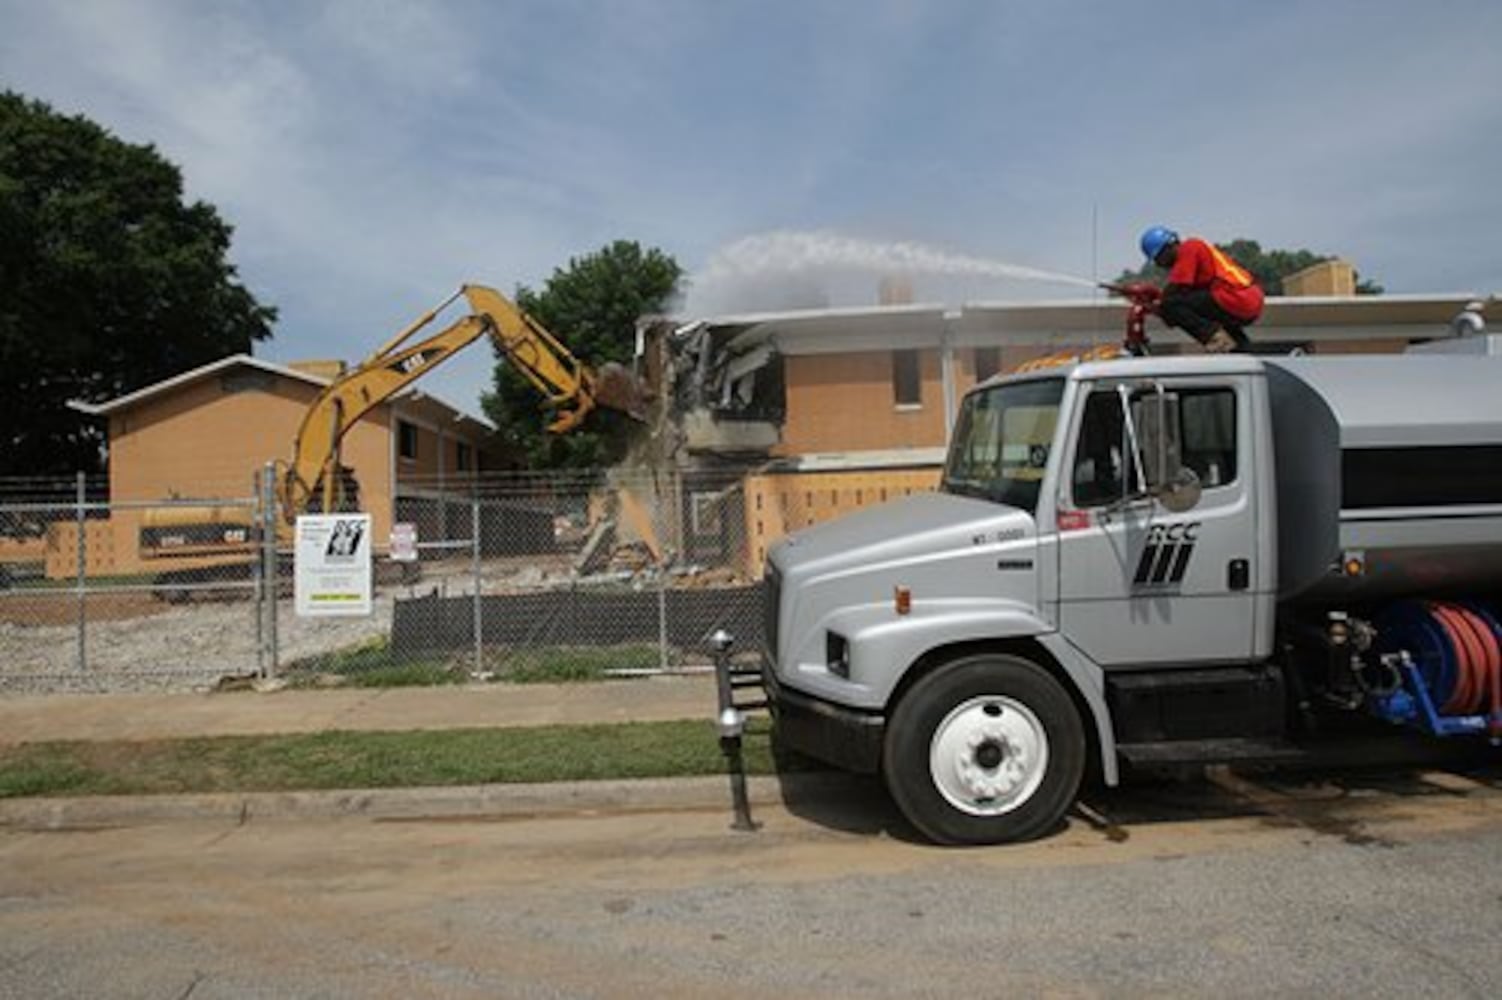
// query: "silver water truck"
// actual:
[[1156, 560]]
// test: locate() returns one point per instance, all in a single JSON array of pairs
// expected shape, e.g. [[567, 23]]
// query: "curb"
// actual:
[[510, 801]]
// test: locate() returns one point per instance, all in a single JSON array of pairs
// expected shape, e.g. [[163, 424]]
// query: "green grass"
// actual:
[[372, 664], [379, 760], [416, 674], [560, 664]]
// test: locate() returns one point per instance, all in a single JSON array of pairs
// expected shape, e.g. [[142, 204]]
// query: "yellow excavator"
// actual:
[[316, 480]]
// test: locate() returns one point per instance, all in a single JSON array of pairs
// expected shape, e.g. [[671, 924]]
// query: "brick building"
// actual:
[[204, 435]]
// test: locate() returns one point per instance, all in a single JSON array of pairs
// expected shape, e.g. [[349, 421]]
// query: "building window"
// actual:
[[987, 362], [406, 439], [463, 456], [907, 386]]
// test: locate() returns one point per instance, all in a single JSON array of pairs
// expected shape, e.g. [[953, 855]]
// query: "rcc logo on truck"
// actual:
[[1165, 557]]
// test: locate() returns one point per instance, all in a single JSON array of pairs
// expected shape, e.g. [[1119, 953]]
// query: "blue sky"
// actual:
[[373, 154]]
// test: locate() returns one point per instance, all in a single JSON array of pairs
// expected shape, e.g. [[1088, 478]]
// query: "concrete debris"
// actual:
[[597, 550]]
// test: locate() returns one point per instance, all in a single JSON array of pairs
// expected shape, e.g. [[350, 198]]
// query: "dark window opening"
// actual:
[[987, 362], [1097, 459], [907, 385], [406, 439], [463, 456]]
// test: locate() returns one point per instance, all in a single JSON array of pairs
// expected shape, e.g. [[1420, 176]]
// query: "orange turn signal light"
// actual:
[[902, 599]]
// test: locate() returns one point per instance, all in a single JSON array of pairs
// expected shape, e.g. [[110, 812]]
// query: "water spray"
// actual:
[[791, 253]]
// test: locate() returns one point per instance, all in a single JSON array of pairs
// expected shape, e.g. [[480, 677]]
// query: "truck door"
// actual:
[[1139, 583]]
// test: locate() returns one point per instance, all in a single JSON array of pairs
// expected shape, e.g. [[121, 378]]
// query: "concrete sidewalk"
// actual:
[[87, 717]]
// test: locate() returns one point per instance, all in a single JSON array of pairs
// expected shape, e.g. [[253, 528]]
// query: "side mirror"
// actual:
[[1157, 419], [1152, 425], [1183, 492]]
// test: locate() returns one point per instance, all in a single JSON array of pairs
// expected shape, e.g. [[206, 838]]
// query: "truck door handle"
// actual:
[[1239, 574]]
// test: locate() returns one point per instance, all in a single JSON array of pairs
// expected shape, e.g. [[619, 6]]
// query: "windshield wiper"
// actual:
[[968, 488]]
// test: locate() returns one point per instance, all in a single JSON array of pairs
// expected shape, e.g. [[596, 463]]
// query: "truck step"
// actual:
[[1216, 751]]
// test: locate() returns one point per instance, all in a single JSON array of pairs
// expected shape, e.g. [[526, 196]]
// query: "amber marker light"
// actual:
[[902, 598]]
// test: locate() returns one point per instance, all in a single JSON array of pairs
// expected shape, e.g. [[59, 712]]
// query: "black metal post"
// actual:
[[732, 725]]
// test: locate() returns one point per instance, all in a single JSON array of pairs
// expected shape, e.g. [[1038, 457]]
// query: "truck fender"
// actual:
[[875, 636], [1090, 682]]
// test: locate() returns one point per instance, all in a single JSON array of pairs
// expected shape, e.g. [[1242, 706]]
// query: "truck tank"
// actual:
[[1391, 465]]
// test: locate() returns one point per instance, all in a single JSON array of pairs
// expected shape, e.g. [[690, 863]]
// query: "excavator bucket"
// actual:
[[617, 388]]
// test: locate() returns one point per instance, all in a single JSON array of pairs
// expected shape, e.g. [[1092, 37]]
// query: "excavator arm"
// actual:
[[572, 388]]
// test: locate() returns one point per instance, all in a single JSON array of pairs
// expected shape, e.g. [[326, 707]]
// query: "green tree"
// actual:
[[592, 306], [108, 282], [1269, 267]]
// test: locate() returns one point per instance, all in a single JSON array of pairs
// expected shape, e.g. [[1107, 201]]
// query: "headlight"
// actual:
[[837, 654]]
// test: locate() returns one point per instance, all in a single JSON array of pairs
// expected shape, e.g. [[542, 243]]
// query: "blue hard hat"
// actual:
[[1155, 239]]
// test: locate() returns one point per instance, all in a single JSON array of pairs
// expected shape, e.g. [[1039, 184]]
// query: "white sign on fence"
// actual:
[[332, 565], [404, 542]]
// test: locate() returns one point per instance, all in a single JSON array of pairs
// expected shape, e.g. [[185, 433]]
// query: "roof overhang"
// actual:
[[1047, 324], [433, 408], [120, 403]]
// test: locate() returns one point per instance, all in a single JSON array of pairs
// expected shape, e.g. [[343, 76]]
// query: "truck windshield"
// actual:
[[1001, 443]]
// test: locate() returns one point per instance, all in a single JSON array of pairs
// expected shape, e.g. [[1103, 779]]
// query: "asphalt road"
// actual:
[[1338, 885]]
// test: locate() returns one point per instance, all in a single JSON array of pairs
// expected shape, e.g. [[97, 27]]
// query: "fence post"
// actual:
[[479, 626], [269, 567], [258, 565], [83, 569], [662, 616], [659, 522]]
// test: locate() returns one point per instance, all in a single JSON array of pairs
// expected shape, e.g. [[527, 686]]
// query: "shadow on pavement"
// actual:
[[1319, 798]]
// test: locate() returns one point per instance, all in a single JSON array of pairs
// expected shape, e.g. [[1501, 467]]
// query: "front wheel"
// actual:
[[985, 750]]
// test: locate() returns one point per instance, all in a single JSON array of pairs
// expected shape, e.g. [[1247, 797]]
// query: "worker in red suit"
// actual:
[[1208, 295]]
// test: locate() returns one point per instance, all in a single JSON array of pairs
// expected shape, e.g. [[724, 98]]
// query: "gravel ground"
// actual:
[[173, 648]]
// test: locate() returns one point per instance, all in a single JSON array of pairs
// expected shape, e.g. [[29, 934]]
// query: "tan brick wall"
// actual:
[[102, 550], [845, 402], [202, 442], [438, 455], [777, 503], [22, 550], [1328, 277]]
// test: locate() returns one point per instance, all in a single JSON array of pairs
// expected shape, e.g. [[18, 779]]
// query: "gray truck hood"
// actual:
[[913, 527]]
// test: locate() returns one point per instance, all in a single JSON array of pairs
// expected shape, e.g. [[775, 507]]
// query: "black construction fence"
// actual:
[[578, 617]]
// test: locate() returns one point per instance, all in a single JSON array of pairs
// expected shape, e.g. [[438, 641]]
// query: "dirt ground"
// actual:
[[61, 607], [1330, 886]]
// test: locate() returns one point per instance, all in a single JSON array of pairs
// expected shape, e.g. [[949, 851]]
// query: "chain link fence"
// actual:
[[562, 576], [101, 596], [506, 576]]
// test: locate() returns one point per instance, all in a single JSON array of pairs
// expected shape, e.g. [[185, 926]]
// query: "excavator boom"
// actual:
[[570, 387]]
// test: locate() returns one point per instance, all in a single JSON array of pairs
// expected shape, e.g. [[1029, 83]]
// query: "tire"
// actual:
[[987, 749]]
